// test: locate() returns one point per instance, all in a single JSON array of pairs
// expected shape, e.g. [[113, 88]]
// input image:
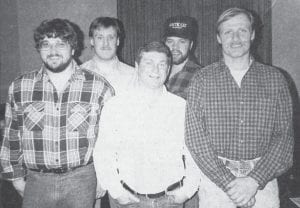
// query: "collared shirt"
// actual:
[[117, 73], [240, 123], [142, 143], [45, 129], [179, 83]]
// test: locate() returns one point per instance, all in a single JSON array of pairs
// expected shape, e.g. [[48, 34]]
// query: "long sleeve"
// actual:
[[105, 154], [11, 154], [279, 156], [192, 174], [197, 138]]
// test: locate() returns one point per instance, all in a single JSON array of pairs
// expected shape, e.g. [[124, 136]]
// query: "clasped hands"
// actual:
[[242, 191]]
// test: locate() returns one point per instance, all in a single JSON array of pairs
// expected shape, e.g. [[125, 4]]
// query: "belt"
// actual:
[[156, 195], [60, 170], [240, 167]]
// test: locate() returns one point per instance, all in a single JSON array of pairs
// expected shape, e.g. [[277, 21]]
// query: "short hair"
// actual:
[[155, 46], [106, 22], [56, 28], [232, 12]]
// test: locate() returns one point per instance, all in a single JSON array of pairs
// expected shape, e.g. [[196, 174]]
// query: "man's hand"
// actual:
[[250, 203], [19, 185], [241, 190], [127, 198], [100, 192], [179, 196]]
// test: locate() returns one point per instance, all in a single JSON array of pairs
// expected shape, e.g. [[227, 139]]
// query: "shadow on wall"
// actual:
[[80, 43], [289, 182]]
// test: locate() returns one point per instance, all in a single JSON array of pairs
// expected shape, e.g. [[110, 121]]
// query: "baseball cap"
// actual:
[[181, 26]]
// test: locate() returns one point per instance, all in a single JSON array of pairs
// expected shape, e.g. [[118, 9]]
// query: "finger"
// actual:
[[231, 184], [231, 191], [243, 202], [133, 198]]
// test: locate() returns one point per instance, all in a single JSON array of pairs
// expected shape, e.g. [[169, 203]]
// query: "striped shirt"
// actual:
[[240, 123], [45, 129], [178, 84]]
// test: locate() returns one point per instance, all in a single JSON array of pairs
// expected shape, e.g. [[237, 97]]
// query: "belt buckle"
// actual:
[[60, 170], [245, 167]]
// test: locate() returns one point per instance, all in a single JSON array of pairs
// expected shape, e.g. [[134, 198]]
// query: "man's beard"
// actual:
[[180, 60], [59, 68]]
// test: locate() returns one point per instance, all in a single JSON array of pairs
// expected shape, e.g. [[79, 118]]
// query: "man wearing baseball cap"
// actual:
[[180, 34]]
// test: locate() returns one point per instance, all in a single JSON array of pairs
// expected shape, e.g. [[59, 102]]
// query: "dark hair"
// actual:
[[56, 28], [155, 46], [106, 22], [232, 12]]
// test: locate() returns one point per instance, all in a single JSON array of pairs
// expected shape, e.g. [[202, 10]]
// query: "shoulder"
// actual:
[[175, 100], [271, 74], [29, 77], [192, 66], [126, 68], [208, 71], [91, 76], [87, 64]]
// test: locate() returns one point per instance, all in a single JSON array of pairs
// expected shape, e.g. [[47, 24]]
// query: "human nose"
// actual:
[[236, 36], [52, 48], [105, 42]]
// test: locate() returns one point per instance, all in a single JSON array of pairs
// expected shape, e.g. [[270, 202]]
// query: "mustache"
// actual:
[[53, 55], [176, 51], [105, 48]]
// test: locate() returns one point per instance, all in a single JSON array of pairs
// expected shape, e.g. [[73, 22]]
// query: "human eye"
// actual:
[[183, 41], [227, 32], [61, 45], [44, 45], [99, 37], [169, 41], [162, 65]]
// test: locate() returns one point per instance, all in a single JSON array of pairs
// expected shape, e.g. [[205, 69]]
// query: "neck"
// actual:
[[149, 92], [104, 61], [238, 64], [60, 79], [177, 68]]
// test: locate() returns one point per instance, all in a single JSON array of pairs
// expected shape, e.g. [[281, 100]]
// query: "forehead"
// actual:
[[105, 31], [175, 38], [53, 40], [154, 56], [240, 20]]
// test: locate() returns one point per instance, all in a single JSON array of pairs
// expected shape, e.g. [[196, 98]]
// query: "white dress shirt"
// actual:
[[117, 73], [143, 137]]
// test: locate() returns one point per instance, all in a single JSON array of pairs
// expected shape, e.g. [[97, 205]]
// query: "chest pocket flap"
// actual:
[[34, 116]]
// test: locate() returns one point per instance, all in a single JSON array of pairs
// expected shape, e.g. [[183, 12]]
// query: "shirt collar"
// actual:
[[223, 66]]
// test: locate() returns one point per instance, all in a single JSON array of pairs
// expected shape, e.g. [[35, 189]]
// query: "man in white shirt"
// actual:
[[106, 34], [140, 155]]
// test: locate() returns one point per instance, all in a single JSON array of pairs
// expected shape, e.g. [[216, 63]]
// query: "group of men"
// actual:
[[165, 133]]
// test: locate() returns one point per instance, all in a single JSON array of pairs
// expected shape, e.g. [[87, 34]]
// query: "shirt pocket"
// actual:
[[78, 117], [34, 116]]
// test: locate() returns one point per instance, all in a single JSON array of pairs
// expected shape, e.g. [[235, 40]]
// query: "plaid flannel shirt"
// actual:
[[179, 83], [240, 123], [45, 129]]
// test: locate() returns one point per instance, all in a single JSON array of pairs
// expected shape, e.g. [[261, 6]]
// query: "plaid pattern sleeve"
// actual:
[[240, 123], [11, 152], [45, 129], [179, 83], [279, 156], [197, 136]]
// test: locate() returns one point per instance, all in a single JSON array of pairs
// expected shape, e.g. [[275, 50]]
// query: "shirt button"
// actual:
[[242, 121], [241, 141], [241, 102], [56, 160]]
